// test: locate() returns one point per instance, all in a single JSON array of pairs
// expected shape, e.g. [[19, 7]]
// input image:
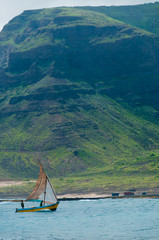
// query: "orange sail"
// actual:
[[43, 189]]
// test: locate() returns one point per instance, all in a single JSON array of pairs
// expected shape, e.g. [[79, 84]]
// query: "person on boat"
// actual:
[[22, 204], [41, 203]]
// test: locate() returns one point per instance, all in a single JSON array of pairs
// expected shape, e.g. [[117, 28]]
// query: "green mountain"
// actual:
[[79, 91], [144, 16]]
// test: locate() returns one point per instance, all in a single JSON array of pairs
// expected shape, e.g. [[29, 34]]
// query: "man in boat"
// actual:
[[41, 203], [22, 204]]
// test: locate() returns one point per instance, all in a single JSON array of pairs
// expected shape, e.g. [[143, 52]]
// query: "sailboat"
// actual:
[[43, 193]]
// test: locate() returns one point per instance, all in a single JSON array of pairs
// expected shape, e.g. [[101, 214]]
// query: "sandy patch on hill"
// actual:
[[12, 183]]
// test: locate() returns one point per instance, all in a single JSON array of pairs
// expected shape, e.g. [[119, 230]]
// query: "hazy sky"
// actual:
[[12, 8]]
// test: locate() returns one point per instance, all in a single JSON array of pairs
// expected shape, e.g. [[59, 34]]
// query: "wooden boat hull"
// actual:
[[52, 207]]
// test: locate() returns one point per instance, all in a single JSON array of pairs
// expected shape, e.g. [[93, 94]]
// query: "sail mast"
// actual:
[[47, 179], [45, 191]]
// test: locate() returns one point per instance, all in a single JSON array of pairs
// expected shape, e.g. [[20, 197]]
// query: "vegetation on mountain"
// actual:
[[79, 91], [144, 16]]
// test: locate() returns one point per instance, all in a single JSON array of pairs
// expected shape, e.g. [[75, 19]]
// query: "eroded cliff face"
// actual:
[[74, 48]]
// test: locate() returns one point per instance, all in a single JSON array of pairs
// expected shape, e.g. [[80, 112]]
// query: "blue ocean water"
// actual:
[[108, 219]]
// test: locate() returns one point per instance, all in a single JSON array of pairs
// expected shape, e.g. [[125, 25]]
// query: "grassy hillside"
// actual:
[[72, 133], [144, 16], [79, 92]]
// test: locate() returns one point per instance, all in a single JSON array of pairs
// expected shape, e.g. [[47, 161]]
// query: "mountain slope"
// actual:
[[59, 68], [71, 44], [82, 46], [144, 16]]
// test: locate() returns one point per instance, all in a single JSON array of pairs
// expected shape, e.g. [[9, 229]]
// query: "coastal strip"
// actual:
[[88, 198]]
